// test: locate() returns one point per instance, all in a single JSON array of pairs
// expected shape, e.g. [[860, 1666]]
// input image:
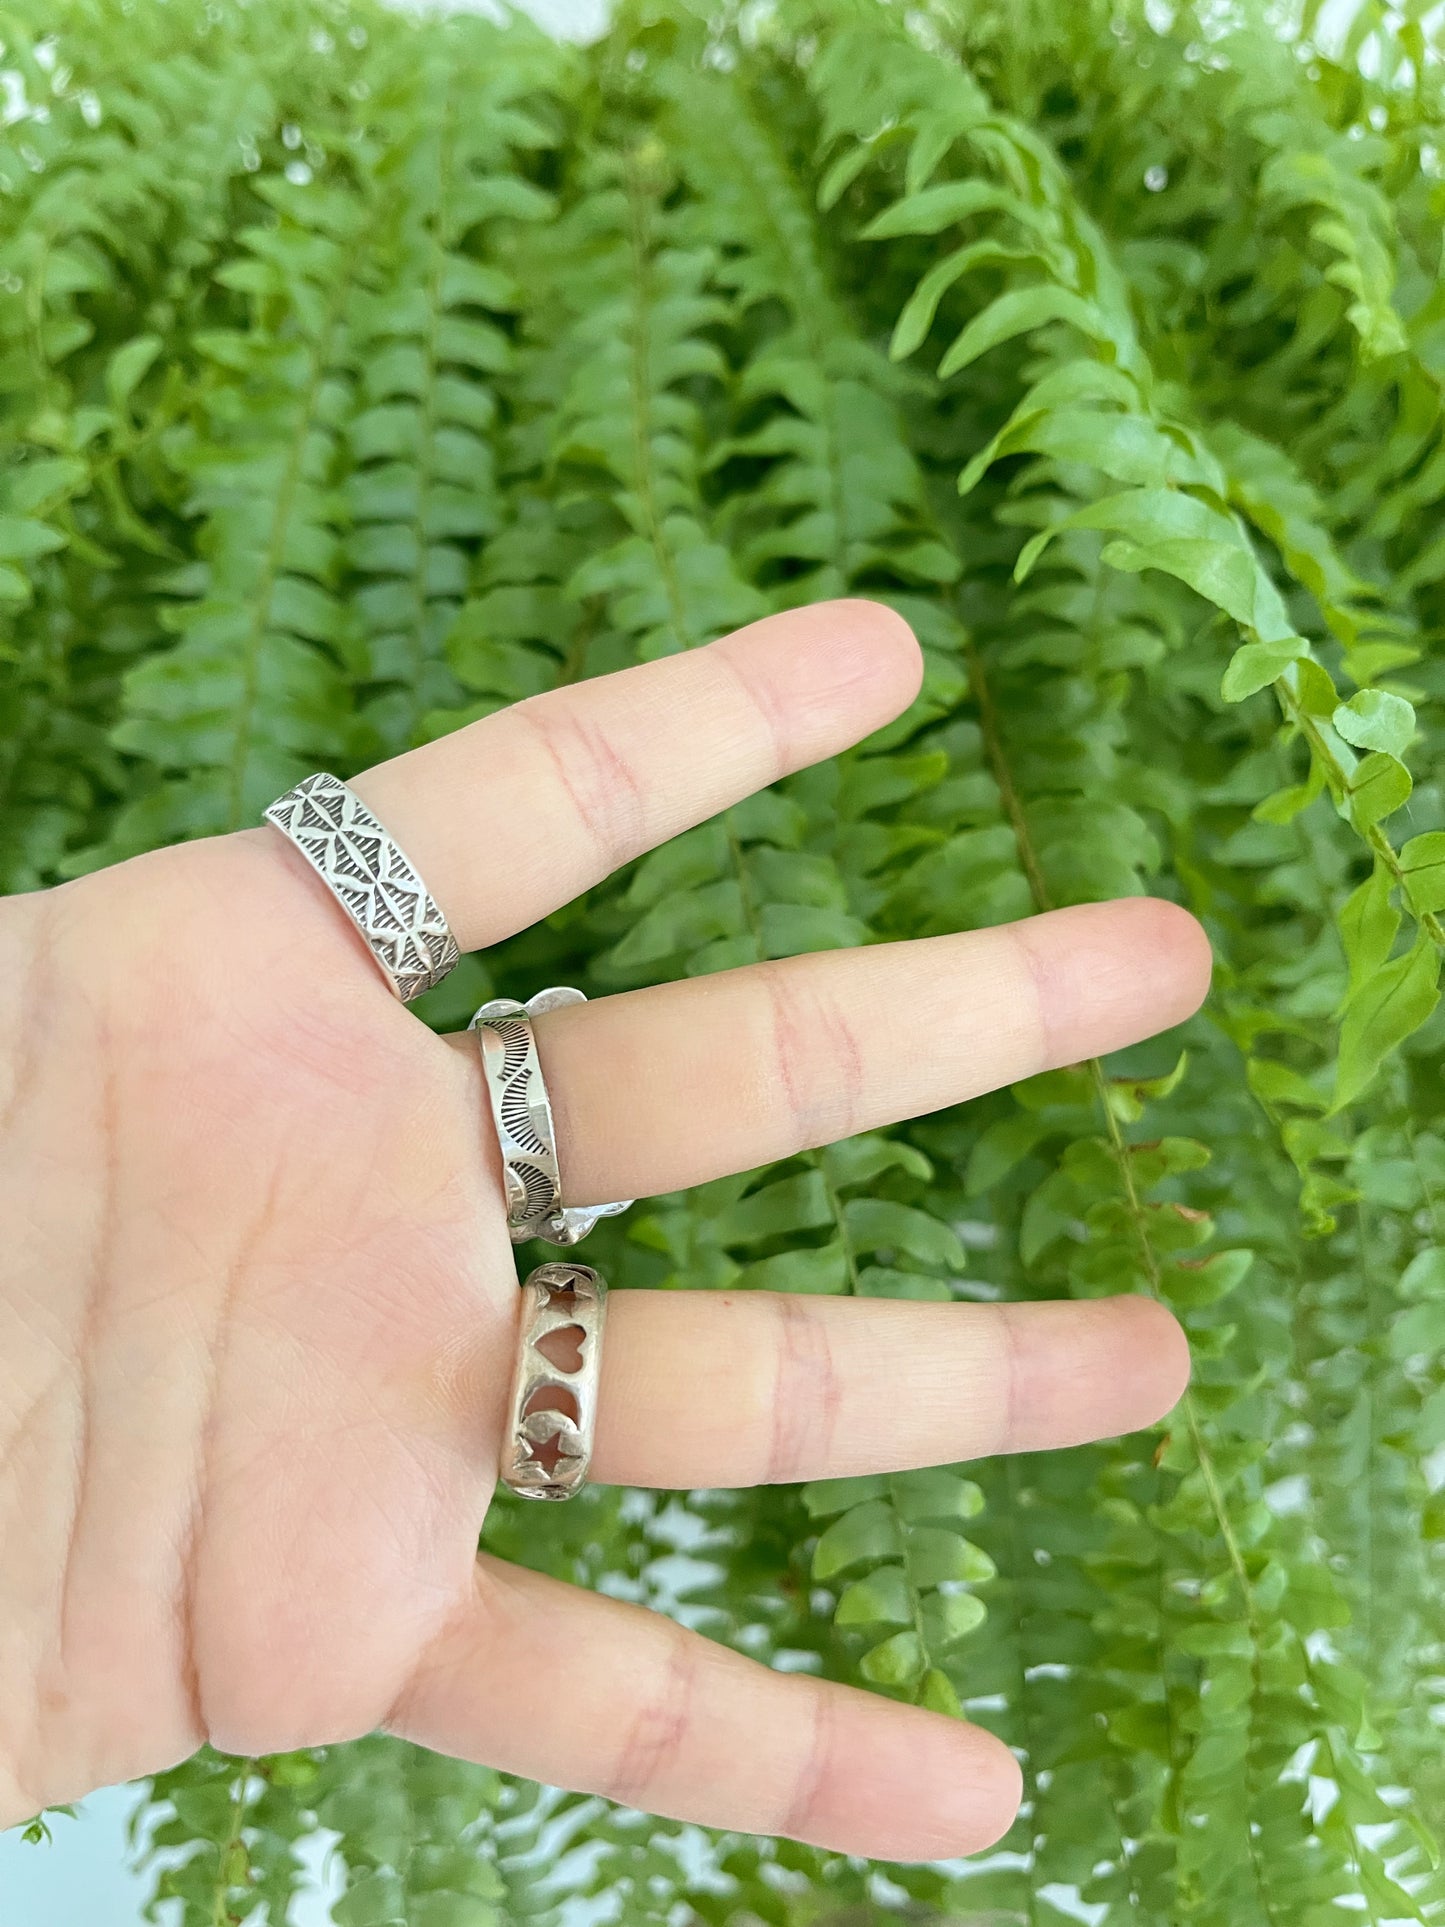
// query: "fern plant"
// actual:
[[363, 374]]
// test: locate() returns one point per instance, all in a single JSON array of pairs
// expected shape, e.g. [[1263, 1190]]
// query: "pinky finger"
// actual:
[[545, 1680]]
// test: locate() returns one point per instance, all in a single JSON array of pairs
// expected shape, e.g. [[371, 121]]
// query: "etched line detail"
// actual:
[[517, 1092]]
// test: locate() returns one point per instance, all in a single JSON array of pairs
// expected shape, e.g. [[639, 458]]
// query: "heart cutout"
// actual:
[[563, 1347]]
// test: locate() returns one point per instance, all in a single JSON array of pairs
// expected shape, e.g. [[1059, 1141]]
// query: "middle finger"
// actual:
[[658, 1089]]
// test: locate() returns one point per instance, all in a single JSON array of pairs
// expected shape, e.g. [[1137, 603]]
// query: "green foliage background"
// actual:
[[360, 376]]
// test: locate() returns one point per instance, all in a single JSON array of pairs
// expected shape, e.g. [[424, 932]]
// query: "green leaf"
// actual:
[[1423, 862], [859, 1160], [935, 1496], [1385, 1895], [1128, 447], [877, 1224], [36, 1832], [207, 1810], [1255, 665], [39, 486], [821, 1268], [1421, 1329], [781, 1209], [796, 929], [1369, 924], [453, 1910], [867, 1533], [883, 1598], [1020, 312], [951, 1616], [1374, 719], [1001, 1148], [938, 1694], [1276, 1083], [916, 318], [886, 1281], [375, 1900], [1377, 789], [935, 208], [1184, 536], [1430, 1428], [1214, 1639], [824, 1497], [22, 539], [1222, 572], [1142, 1728], [1424, 1276], [937, 1556], [129, 366], [842, 173], [1188, 1284], [898, 1662], [1386, 1009]]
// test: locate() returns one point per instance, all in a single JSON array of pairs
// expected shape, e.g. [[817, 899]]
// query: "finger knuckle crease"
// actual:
[[806, 1393], [600, 783], [1036, 976], [846, 1066], [812, 1774], [757, 699], [819, 1057], [1010, 1381], [657, 1732], [788, 1029]]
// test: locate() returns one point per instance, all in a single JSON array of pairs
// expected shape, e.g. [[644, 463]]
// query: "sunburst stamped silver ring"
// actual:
[[523, 1115], [373, 880]]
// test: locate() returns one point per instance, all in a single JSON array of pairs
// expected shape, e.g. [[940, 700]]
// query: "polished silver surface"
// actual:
[[372, 879], [523, 1115], [552, 1417]]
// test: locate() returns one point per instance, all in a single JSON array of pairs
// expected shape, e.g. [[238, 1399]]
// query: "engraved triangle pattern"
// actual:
[[372, 879]]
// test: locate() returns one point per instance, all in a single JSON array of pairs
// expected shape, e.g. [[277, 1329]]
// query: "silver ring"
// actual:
[[523, 1115], [553, 1413], [373, 880]]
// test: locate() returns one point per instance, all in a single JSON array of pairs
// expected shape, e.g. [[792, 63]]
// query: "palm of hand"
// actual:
[[256, 1220]]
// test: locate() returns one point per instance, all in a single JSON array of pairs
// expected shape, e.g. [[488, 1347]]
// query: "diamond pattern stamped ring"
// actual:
[[373, 880]]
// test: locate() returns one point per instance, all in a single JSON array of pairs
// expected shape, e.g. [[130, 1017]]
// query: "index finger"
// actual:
[[519, 813]]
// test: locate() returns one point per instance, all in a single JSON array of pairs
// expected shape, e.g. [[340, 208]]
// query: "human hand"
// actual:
[[258, 1300]]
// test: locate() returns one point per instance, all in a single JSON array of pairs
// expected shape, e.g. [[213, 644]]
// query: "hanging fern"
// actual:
[[363, 374]]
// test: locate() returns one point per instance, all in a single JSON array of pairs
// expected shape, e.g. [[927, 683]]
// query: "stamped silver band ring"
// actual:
[[523, 1115], [552, 1418], [373, 880]]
